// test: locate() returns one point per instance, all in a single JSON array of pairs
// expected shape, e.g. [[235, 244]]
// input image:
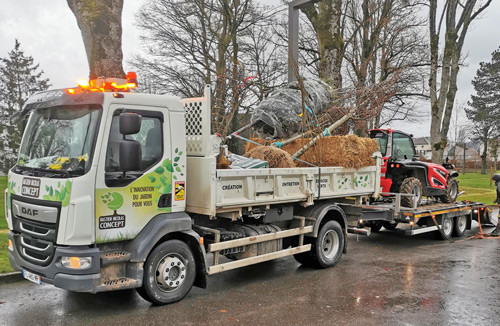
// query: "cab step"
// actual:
[[112, 257], [119, 284]]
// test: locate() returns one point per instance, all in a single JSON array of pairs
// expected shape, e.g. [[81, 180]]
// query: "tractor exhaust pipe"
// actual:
[[363, 231]]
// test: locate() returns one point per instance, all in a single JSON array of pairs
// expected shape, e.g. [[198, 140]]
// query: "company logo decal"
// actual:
[[30, 187]]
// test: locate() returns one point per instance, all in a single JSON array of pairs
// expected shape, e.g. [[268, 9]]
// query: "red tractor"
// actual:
[[403, 173]]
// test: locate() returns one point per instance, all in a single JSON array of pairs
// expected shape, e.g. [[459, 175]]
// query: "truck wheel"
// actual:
[[451, 191], [410, 186], [329, 245], [169, 273], [446, 227], [390, 226], [460, 226]]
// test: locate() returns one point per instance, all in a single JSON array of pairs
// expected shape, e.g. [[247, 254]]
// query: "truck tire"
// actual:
[[446, 228], [451, 191], [328, 246], [460, 224], [169, 273], [390, 226], [410, 185]]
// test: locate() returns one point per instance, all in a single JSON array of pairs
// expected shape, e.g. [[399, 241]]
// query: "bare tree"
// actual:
[[220, 42], [457, 16], [384, 38], [100, 25], [325, 19]]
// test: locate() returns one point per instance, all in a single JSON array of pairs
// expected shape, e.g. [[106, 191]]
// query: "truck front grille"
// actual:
[[35, 240]]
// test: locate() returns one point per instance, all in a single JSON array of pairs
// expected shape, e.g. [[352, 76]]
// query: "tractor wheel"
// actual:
[[451, 191], [410, 186]]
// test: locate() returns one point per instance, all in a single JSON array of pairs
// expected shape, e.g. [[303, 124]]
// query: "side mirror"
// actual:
[[130, 123], [130, 155]]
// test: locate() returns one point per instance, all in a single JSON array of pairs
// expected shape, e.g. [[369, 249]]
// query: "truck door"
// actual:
[[126, 202]]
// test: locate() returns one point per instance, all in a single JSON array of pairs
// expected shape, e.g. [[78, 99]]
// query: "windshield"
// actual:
[[60, 140], [381, 139]]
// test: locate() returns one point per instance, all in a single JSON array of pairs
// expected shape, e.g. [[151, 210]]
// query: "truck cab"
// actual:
[[94, 162]]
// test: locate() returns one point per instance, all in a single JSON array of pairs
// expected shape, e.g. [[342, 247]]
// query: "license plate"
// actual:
[[32, 277]]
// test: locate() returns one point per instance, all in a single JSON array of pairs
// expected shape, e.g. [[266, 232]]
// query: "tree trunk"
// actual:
[[326, 23], [443, 96], [100, 25], [484, 156]]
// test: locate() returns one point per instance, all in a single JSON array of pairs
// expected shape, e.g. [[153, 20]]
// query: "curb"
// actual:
[[10, 277]]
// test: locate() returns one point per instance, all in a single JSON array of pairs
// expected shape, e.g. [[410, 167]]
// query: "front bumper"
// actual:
[[85, 280]]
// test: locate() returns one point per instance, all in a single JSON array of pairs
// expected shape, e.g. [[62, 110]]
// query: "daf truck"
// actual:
[[116, 190]]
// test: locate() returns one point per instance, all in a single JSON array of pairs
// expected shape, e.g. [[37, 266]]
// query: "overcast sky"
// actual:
[[47, 30]]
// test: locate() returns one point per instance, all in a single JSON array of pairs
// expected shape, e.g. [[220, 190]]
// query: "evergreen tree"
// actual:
[[20, 78], [484, 107]]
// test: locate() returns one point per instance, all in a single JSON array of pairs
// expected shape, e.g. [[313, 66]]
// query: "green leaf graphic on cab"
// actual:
[[61, 193], [113, 200]]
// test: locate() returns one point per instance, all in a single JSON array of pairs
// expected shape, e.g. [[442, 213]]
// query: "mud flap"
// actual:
[[490, 216]]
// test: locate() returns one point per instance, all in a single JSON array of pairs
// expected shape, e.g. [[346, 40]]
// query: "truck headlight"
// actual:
[[76, 262], [11, 246]]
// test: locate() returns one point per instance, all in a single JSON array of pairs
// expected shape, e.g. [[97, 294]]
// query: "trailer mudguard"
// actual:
[[327, 210], [165, 227]]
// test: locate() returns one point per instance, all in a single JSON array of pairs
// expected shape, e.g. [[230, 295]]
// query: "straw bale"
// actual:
[[223, 163], [348, 151], [277, 158]]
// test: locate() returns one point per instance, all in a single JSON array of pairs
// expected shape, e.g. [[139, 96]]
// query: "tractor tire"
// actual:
[[451, 191], [410, 186]]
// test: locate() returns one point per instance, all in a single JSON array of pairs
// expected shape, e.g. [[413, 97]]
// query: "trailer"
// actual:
[[444, 219]]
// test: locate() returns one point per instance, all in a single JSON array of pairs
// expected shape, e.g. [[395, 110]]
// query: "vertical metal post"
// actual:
[[293, 34], [293, 41]]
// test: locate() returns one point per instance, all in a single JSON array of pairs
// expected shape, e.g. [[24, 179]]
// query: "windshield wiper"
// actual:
[[43, 172]]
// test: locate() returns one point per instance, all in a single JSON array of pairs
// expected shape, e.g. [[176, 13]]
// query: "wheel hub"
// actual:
[[461, 223], [453, 191], [446, 226], [330, 244], [170, 273]]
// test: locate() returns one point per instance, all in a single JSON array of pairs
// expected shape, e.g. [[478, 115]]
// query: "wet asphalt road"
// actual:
[[386, 279]]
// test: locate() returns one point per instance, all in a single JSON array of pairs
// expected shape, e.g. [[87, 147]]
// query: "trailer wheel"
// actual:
[[390, 226], [328, 247], [169, 273], [375, 226], [446, 228], [460, 226], [410, 186], [451, 191]]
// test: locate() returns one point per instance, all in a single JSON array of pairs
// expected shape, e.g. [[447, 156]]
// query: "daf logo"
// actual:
[[30, 212]]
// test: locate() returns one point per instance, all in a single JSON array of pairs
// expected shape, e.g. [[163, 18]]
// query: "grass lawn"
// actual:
[[477, 188], [4, 260]]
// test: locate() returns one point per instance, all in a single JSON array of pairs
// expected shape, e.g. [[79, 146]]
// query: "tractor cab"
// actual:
[[402, 171]]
